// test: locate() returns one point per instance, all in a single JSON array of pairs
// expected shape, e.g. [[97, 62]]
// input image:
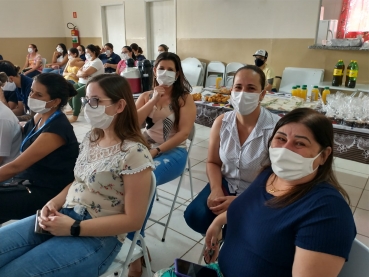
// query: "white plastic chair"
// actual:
[[43, 60], [214, 69], [358, 263], [130, 251], [193, 71], [190, 138], [231, 69]]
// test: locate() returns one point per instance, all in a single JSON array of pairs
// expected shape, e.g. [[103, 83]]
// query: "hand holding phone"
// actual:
[[187, 269], [38, 229]]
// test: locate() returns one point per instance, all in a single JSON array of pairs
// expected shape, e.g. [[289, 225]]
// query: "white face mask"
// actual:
[[108, 52], [244, 102], [30, 50], [60, 50], [160, 52], [38, 106], [124, 56], [289, 165], [97, 117], [165, 77], [70, 57], [88, 56]]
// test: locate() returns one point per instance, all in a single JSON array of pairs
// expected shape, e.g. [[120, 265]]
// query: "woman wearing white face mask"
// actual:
[[237, 149], [33, 64], [293, 220], [109, 58], [127, 53], [73, 65], [169, 112], [162, 48], [48, 152], [90, 218], [92, 67], [58, 60]]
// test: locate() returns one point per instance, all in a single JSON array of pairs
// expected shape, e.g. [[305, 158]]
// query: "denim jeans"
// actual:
[[169, 165], [52, 70], [25, 253], [197, 215]]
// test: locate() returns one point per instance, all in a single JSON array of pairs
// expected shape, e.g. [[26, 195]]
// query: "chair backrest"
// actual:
[[192, 69], [191, 136], [43, 62], [233, 67], [214, 68], [300, 76], [358, 262]]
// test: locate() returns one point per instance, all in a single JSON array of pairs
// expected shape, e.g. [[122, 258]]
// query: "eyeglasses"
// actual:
[[93, 102]]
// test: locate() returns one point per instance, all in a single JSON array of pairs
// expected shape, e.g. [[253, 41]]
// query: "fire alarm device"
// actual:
[[74, 14]]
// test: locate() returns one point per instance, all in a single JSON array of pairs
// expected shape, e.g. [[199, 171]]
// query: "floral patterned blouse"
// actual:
[[98, 184]]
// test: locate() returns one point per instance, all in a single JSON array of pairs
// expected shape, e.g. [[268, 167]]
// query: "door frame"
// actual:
[[103, 21], [148, 28]]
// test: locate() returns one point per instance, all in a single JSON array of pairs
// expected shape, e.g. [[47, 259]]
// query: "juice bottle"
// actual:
[[338, 73], [298, 91], [314, 94], [218, 81], [293, 91], [353, 75], [325, 93], [303, 93], [348, 72]]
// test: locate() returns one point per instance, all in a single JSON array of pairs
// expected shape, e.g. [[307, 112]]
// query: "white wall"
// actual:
[[247, 18], [332, 8], [35, 18], [88, 18]]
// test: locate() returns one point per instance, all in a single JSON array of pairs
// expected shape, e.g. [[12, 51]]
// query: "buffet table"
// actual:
[[349, 143]]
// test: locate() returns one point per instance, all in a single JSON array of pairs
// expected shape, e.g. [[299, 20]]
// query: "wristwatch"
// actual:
[[157, 148], [75, 228]]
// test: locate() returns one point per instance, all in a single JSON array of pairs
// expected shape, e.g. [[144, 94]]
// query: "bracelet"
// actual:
[[157, 148]]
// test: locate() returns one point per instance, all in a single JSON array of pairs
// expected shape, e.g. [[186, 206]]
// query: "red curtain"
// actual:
[[354, 13]]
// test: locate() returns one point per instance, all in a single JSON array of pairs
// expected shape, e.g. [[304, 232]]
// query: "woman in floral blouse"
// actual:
[[90, 218]]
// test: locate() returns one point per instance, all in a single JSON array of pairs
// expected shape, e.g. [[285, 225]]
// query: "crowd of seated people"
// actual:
[[271, 184]]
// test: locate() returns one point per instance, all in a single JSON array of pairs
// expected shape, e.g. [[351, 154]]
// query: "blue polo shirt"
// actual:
[[24, 91], [82, 57], [113, 59]]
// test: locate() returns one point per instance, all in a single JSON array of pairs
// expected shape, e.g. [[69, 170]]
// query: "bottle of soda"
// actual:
[[348, 72], [353, 75], [338, 73]]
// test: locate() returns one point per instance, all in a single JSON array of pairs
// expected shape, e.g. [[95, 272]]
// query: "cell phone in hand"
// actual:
[[38, 229], [187, 269]]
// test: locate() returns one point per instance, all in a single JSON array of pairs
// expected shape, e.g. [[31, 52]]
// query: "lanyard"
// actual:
[[31, 134]]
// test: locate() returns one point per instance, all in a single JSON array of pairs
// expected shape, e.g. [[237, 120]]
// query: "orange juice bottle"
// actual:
[[314, 94], [293, 91], [326, 92], [298, 91], [218, 81], [303, 93]]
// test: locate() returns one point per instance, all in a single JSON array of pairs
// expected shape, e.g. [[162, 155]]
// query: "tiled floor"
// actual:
[[182, 242]]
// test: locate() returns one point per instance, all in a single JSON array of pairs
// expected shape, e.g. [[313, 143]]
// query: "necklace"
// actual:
[[273, 189]]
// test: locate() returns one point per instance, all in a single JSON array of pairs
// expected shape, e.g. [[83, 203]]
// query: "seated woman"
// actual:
[[109, 58], [138, 52], [48, 151], [8, 95], [59, 60], [126, 54], [73, 65], [91, 216], [23, 84], [169, 112], [293, 220], [162, 48], [33, 64], [81, 51], [92, 67], [237, 149]]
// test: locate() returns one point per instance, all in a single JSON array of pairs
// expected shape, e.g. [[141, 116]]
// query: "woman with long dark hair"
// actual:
[[58, 60], [90, 217], [127, 53], [169, 112]]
